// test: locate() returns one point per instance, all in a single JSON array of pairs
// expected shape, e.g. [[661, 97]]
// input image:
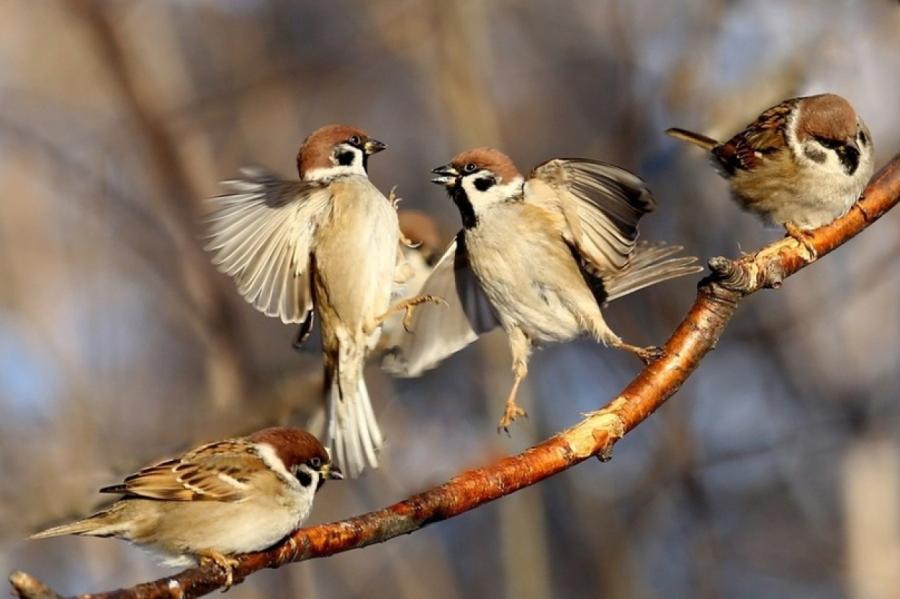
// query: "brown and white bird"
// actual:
[[800, 164], [326, 244], [538, 256], [218, 500]]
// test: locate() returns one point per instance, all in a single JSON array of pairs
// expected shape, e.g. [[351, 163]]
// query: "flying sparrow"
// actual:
[[220, 499], [800, 164], [326, 244], [538, 256]]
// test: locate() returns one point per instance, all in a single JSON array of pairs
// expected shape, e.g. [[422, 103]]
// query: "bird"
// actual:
[[537, 256], [215, 501], [327, 245], [801, 164]]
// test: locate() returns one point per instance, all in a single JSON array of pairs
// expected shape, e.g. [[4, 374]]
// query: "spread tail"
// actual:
[[707, 143], [650, 264], [352, 432]]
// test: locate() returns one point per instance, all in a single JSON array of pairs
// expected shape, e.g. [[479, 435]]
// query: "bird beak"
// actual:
[[446, 175], [851, 143], [332, 472], [373, 146]]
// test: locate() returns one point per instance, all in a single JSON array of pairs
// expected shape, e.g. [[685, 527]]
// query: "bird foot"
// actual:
[[408, 306], [803, 238], [510, 414], [227, 564], [647, 355]]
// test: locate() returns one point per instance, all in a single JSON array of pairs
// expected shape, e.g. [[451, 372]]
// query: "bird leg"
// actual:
[[647, 355], [605, 335], [802, 237], [408, 305], [520, 347], [227, 564]]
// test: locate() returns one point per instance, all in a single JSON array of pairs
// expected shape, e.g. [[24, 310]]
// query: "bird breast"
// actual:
[[529, 273], [356, 252]]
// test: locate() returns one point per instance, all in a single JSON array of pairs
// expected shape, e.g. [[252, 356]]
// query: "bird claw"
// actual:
[[802, 237], [512, 412], [649, 354], [225, 563], [412, 304]]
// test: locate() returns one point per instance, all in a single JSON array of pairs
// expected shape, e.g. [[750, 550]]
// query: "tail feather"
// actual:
[[98, 525], [352, 430], [650, 264], [698, 139]]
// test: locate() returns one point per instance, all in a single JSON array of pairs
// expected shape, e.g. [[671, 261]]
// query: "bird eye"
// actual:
[[354, 140], [469, 168], [315, 462]]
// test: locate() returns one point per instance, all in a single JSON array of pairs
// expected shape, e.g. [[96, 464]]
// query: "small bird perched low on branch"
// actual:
[[538, 256], [801, 164], [220, 499], [327, 244]]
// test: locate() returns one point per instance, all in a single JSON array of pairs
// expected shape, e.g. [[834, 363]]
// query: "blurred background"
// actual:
[[775, 472]]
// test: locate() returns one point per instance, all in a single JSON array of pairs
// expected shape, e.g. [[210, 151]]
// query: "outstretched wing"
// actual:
[[437, 331], [262, 233], [601, 203], [218, 471]]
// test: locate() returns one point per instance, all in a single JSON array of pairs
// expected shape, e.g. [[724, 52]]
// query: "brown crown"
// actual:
[[487, 158], [315, 151], [828, 116], [293, 445]]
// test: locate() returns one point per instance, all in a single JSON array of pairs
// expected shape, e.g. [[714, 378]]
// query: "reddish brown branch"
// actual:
[[595, 435]]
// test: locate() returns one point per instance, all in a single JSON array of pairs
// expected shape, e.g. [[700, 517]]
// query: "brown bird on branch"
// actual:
[[801, 164], [538, 256], [220, 499]]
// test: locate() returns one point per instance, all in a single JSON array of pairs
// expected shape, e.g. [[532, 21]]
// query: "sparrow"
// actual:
[[224, 498], [801, 164], [537, 256], [327, 244]]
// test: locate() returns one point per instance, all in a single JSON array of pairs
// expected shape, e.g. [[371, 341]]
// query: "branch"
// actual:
[[716, 302]]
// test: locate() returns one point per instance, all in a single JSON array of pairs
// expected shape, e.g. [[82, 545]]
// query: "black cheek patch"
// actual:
[[345, 158], [484, 183], [814, 154], [304, 478]]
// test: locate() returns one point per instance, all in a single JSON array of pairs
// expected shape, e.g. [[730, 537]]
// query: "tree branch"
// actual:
[[595, 435]]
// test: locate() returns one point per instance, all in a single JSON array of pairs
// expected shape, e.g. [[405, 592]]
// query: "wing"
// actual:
[[601, 203], [766, 135], [261, 233], [437, 331], [215, 472]]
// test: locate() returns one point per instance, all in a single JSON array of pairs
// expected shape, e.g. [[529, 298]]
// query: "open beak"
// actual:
[[332, 472], [445, 175], [373, 146]]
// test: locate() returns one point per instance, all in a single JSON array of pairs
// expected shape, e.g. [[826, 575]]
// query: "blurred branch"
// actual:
[[698, 333], [178, 206]]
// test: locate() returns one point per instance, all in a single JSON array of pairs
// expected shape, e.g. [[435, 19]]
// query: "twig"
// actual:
[[717, 299]]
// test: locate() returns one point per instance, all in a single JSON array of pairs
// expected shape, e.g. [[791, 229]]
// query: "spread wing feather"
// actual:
[[602, 205], [262, 233], [441, 330]]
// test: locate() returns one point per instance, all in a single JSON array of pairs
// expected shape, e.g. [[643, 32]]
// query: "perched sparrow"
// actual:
[[800, 164], [537, 256], [326, 243], [224, 498]]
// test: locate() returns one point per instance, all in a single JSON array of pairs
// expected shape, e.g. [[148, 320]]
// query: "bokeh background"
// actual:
[[775, 472]]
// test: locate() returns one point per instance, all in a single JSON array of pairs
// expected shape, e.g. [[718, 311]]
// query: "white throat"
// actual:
[[497, 193], [356, 166]]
